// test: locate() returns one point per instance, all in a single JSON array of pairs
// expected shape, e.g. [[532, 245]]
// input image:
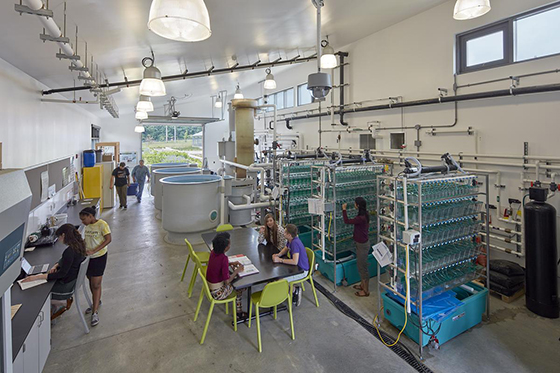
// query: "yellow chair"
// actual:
[[272, 295], [309, 277], [201, 261], [206, 291], [224, 228]]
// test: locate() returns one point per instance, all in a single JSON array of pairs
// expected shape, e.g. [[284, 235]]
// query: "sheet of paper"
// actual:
[[15, 308], [44, 186], [249, 269], [30, 284], [29, 249], [239, 258]]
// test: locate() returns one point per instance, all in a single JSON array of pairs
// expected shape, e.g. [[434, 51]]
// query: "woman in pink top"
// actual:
[[217, 273]]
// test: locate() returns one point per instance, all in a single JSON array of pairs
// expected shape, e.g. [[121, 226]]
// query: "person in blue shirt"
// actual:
[[298, 257], [140, 175]]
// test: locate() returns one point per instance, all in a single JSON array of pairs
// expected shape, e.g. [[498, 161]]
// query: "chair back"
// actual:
[[274, 293], [82, 273], [310, 259], [224, 228], [205, 287]]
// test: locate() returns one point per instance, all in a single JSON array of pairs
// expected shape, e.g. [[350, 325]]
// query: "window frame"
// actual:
[[508, 26], [298, 102]]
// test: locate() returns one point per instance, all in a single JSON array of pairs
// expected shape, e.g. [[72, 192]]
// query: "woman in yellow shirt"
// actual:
[[97, 235]]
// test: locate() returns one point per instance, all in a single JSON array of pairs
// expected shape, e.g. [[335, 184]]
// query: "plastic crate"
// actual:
[[462, 319], [347, 271], [132, 189]]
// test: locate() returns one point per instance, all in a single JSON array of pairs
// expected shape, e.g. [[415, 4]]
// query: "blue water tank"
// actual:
[[89, 158]]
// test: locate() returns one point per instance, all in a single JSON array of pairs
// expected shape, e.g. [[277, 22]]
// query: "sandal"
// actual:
[[361, 294], [358, 287]]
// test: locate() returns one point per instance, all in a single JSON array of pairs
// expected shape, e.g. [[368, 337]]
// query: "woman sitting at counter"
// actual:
[[272, 233], [65, 272]]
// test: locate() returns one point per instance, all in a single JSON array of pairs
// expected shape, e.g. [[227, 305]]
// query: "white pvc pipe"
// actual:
[[249, 206], [507, 251], [53, 30], [502, 239]]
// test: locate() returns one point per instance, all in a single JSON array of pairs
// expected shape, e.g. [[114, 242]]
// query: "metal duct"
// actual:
[[244, 133]]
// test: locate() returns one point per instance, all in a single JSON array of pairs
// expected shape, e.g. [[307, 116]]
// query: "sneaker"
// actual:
[[125, 207], [94, 319], [88, 310], [298, 298], [139, 200]]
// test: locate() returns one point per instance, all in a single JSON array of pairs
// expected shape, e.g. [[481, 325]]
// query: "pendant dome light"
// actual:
[[180, 20], [139, 129], [238, 94], [470, 9], [140, 115], [269, 82], [151, 84], [145, 104], [328, 59], [218, 104]]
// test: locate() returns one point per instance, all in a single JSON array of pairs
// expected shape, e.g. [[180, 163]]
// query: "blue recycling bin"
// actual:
[[132, 189]]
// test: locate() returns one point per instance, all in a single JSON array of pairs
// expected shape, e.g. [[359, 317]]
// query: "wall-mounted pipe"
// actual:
[[447, 99]]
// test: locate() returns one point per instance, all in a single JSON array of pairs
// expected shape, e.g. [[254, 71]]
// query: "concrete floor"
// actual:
[[147, 321], [513, 340]]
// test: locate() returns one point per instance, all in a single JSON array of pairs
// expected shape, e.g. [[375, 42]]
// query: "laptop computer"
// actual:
[[33, 270]]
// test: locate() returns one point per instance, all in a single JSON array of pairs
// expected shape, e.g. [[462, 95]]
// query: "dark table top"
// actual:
[[32, 300], [245, 241]]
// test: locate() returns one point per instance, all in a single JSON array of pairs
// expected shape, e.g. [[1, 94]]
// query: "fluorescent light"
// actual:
[[139, 128], [141, 115], [152, 85], [145, 104], [469, 9], [181, 20], [269, 82], [238, 94], [328, 59]]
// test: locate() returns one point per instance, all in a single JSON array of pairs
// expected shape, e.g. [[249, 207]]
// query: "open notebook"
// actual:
[[30, 284], [249, 269]]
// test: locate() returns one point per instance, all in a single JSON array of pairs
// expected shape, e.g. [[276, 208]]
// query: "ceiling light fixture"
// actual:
[[140, 115], [328, 59], [180, 20], [145, 104], [238, 94], [269, 82], [319, 83], [470, 9], [139, 129], [218, 104], [151, 84]]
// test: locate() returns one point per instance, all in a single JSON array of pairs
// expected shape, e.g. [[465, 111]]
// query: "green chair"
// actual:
[[213, 302], [272, 295], [204, 256], [311, 260], [198, 263], [224, 228]]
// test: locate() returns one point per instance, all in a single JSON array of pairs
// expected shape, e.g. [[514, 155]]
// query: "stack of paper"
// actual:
[[249, 267], [30, 284]]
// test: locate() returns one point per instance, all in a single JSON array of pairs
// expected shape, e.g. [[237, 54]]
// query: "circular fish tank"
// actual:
[[190, 206], [161, 173], [156, 166]]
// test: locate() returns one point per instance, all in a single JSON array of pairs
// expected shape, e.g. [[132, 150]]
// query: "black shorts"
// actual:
[[97, 266]]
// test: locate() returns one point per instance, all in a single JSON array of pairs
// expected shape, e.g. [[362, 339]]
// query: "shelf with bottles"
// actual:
[[429, 189]]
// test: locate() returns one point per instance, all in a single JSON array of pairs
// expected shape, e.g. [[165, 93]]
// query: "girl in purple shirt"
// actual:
[[361, 238]]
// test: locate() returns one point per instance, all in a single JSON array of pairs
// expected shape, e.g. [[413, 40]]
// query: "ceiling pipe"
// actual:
[[199, 74], [514, 91], [75, 64]]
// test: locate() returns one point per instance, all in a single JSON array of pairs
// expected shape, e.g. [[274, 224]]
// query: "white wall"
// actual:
[[32, 131], [416, 57]]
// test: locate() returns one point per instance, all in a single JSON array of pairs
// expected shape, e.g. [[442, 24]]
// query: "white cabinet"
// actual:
[[35, 350]]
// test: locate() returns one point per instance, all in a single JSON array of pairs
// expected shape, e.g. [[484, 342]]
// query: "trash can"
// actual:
[[98, 156], [132, 189]]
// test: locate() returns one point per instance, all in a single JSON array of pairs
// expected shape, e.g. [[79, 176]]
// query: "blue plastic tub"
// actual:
[[347, 271], [464, 317], [132, 189], [89, 158]]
